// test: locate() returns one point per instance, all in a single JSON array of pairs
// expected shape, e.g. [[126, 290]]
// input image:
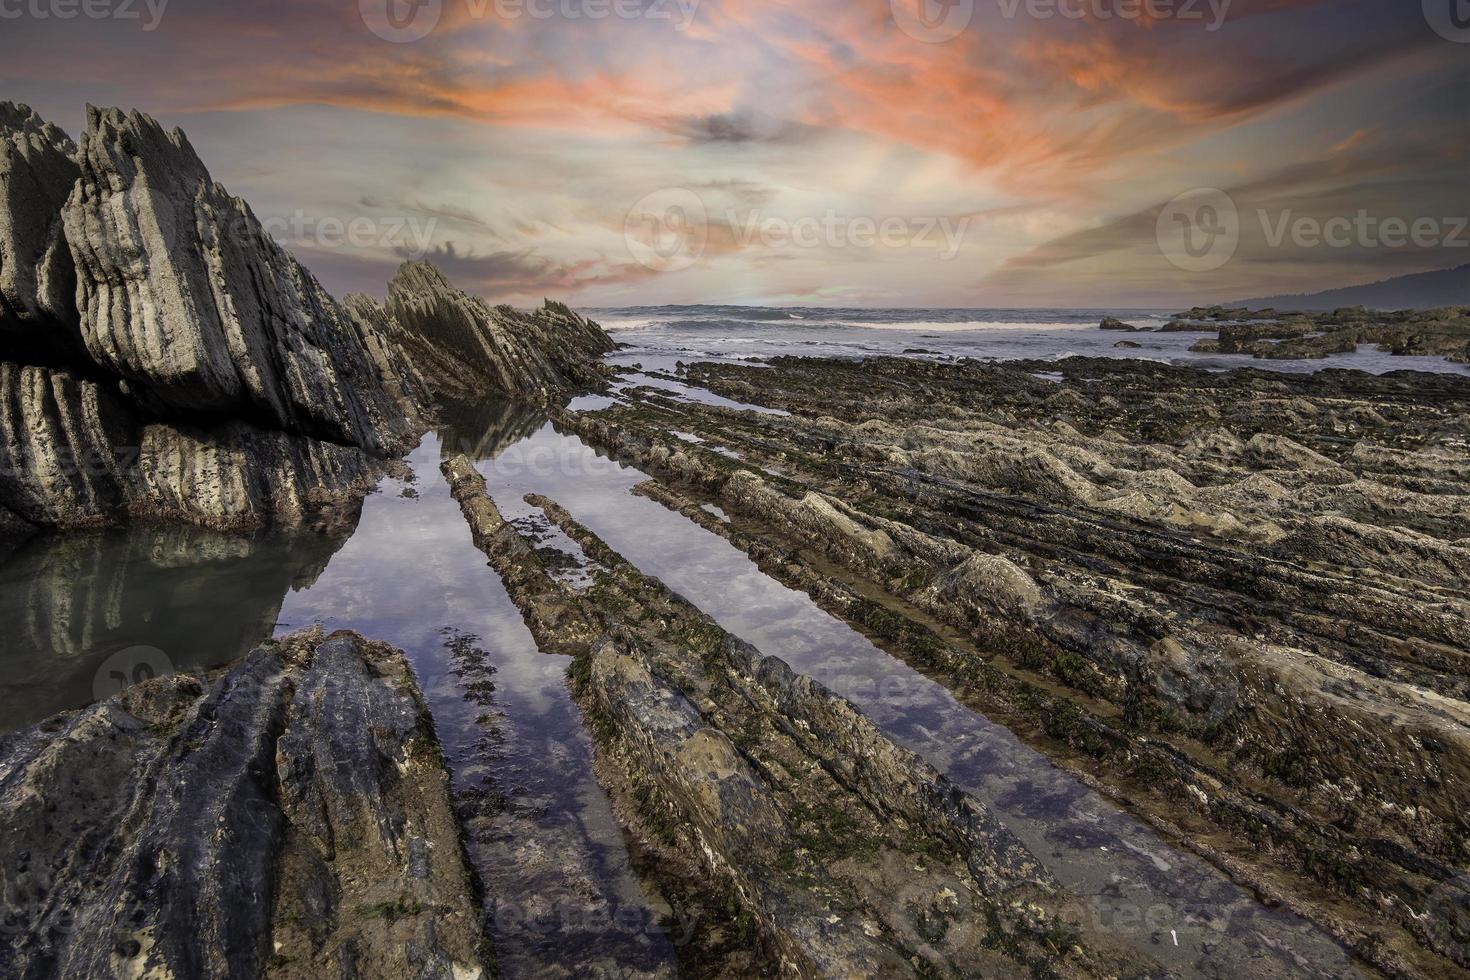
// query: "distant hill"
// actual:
[[1425, 290]]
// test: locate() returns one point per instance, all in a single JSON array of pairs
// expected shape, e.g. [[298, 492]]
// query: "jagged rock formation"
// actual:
[[74, 454], [1196, 588], [185, 298], [38, 169], [463, 348], [288, 817], [164, 358], [775, 809]]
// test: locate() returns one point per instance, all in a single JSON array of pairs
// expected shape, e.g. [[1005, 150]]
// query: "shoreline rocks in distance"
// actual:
[[1268, 335]]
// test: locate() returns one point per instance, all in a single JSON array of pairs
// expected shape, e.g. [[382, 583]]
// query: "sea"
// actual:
[[662, 335]]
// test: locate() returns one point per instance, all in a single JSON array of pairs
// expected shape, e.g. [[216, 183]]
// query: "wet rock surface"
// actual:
[[1196, 589], [288, 816], [772, 807]]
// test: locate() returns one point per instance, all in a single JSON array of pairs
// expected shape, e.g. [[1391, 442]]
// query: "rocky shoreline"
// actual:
[[835, 851], [1285, 336], [1234, 603], [1193, 589]]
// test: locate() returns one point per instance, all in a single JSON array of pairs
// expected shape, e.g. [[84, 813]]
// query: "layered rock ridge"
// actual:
[[38, 169], [1235, 601], [464, 348], [162, 358], [805, 842], [288, 816]]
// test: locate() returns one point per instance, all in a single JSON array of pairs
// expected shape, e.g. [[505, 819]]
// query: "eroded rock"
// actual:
[[286, 817]]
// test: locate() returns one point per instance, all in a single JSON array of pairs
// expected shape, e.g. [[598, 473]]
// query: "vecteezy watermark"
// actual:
[[403, 21], [128, 667], [408, 236], [932, 21], [594, 920], [671, 229], [667, 230], [405, 235], [1362, 230], [936, 21], [1210, 13], [1449, 18], [1201, 230], [149, 13]]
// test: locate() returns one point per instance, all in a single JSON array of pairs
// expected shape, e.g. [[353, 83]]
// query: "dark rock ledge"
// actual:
[[286, 817]]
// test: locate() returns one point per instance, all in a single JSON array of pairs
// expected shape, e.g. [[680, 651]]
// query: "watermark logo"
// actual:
[[405, 21], [1211, 13], [404, 235], [933, 21], [401, 21], [671, 229], [1199, 230], [149, 13], [127, 668], [668, 230], [1363, 230], [1449, 18]]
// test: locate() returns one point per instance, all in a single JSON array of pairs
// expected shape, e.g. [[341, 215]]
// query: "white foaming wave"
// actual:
[[631, 323], [963, 326]]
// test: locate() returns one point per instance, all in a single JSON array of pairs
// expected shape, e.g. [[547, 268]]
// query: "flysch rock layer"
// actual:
[[185, 297], [803, 839], [1236, 601], [465, 349], [38, 169], [286, 817], [162, 358], [73, 454]]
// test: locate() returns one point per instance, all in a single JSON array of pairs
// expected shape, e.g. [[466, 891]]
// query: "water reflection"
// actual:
[[1171, 904], [71, 604], [562, 899]]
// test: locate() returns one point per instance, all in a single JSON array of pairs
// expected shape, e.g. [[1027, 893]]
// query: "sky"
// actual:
[[861, 153]]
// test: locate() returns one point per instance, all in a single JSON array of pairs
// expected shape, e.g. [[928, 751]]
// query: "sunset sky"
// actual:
[[514, 137]]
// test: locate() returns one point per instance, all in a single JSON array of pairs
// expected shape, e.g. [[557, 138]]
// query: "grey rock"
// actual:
[[185, 297], [74, 455], [176, 829], [463, 348], [38, 320]]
